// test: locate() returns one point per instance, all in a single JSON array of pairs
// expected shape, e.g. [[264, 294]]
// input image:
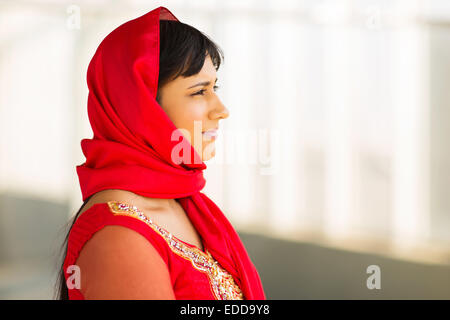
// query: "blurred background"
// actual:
[[334, 159]]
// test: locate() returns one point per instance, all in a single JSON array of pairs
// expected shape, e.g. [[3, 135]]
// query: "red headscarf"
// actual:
[[131, 148]]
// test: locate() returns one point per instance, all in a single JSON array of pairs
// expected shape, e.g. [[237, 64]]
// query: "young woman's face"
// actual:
[[193, 105]]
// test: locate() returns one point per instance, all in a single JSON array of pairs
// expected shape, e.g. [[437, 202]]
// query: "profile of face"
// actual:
[[194, 106]]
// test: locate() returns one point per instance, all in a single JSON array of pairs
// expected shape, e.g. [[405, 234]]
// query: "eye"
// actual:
[[199, 92], [203, 90]]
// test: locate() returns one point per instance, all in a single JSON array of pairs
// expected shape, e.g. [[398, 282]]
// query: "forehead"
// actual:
[[207, 73], [208, 68]]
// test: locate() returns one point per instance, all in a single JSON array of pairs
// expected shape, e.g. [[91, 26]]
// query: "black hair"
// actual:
[[183, 50]]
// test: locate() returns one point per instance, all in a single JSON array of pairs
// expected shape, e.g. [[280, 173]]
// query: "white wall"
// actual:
[[331, 106]]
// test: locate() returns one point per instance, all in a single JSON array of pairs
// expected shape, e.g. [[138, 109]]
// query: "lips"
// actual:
[[211, 133]]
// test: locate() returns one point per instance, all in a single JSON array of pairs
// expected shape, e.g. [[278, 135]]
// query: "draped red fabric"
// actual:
[[131, 148]]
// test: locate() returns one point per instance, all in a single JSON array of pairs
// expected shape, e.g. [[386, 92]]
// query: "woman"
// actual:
[[145, 231]]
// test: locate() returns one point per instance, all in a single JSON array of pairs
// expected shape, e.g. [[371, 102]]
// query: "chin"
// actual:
[[208, 155]]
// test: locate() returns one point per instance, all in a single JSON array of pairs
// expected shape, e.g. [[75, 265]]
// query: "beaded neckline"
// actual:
[[222, 283], [117, 206]]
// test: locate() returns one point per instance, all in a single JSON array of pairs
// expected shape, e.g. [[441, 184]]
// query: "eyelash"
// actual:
[[203, 90]]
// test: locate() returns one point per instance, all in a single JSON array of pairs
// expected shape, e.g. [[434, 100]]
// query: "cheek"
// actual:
[[189, 113]]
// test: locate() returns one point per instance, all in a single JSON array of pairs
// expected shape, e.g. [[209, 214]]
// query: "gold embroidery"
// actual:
[[222, 283]]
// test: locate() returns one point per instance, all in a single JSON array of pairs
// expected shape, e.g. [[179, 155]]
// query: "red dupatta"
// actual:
[[132, 146]]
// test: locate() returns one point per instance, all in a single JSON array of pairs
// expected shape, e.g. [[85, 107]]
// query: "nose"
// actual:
[[219, 111]]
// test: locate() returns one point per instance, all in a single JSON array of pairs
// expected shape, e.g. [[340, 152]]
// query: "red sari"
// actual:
[[132, 150]]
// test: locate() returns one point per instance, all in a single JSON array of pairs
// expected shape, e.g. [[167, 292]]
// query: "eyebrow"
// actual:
[[204, 83]]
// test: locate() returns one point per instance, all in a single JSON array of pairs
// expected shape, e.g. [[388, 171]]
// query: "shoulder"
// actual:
[[118, 263], [119, 256], [172, 218], [103, 216]]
